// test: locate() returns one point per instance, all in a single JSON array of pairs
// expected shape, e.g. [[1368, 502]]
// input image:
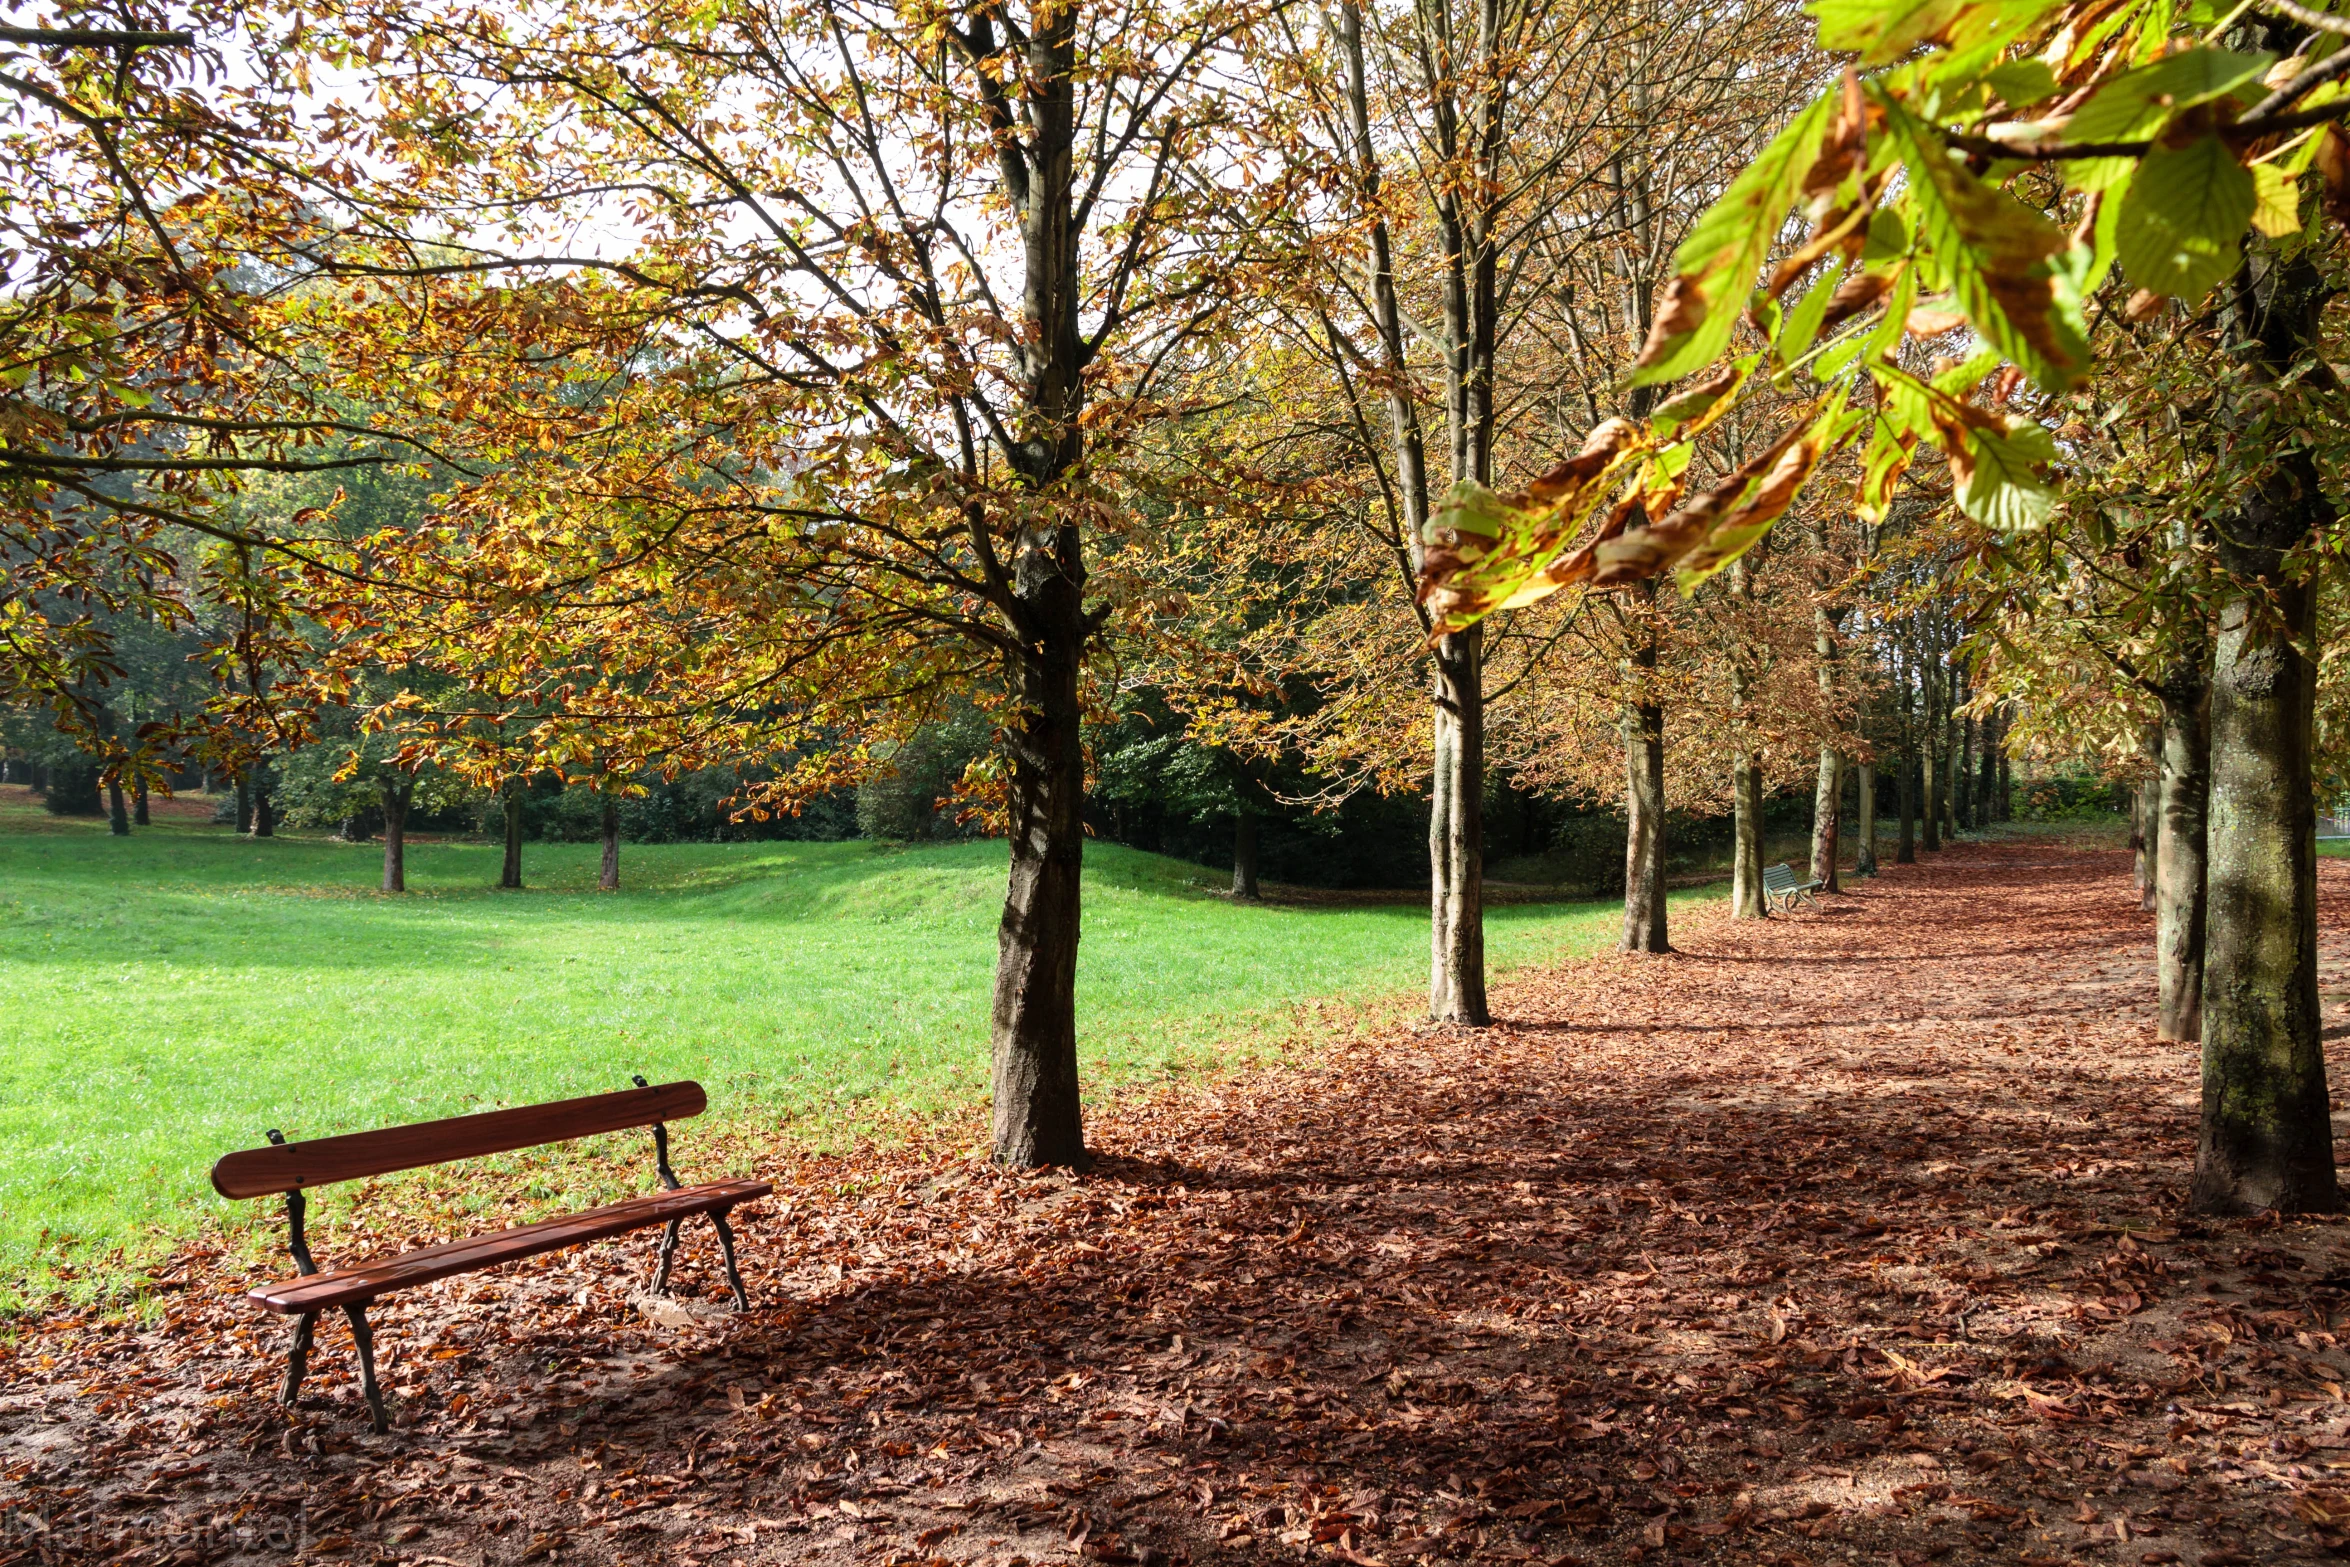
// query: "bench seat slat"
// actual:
[[258, 1172], [365, 1281]]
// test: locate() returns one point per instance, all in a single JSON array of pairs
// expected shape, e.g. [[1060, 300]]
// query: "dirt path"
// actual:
[[1851, 1237]]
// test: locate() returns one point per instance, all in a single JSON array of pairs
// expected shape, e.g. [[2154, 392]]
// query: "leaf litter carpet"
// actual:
[[1854, 1236]]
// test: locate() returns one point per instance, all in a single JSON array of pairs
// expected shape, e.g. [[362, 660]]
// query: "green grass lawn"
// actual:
[[169, 996]]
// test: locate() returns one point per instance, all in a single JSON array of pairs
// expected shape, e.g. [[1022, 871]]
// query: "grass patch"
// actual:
[[172, 994]]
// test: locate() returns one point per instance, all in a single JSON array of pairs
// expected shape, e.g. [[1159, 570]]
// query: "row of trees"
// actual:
[[780, 380]]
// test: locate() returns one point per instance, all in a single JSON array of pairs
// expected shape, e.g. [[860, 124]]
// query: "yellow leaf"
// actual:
[[2277, 201]]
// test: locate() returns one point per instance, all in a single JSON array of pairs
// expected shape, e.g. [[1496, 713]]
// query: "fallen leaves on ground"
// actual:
[[1855, 1235]]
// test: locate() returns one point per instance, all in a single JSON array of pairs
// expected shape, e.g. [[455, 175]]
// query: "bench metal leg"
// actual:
[[667, 1254], [365, 1339], [734, 1280], [298, 1361]]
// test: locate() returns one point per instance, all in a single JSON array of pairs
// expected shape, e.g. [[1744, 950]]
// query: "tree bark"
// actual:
[[394, 796], [1038, 1119], [510, 874], [264, 814], [2146, 822], [1987, 771], [118, 818], [244, 801], [1827, 803], [2267, 1134], [139, 804], [1746, 780], [1244, 854], [1456, 834], [1644, 829], [1746, 855], [1905, 788], [608, 875], [1864, 856], [1930, 775], [2179, 855]]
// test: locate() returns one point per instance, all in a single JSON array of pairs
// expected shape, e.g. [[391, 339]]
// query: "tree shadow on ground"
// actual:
[[1900, 1274]]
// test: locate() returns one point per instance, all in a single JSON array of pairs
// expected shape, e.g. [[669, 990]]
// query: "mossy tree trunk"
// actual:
[[2267, 1134]]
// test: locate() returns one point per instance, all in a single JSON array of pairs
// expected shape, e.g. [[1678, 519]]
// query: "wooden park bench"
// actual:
[[291, 1168], [1781, 887]]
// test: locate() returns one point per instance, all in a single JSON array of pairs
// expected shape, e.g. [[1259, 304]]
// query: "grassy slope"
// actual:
[[169, 996]]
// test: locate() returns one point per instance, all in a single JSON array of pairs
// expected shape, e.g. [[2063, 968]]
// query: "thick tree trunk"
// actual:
[[394, 797], [1827, 803], [2267, 1135], [1244, 854], [245, 801], [264, 813], [510, 873], [2146, 822], [2178, 859], [1864, 855], [1038, 1119], [118, 816], [1644, 829], [139, 804], [1456, 834], [608, 875], [1746, 852]]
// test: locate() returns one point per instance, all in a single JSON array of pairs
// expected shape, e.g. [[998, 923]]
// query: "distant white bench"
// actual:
[[1781, 887]]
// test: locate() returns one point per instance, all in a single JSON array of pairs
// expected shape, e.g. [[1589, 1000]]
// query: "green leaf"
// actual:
[[1999, 255], [1726, 248], [2182, 220], [1794, 339], [2021, 83], [1881, 31], [2136, 104], [2004, 493]]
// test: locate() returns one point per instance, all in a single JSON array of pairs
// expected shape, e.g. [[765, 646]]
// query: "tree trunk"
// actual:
[[2267, 1135], [1987, 771], [139, 804], [2006, 780], [1827, 802], [2178, 858], [244, 801], [510, 874], [395, 797], [1038, 1120], [1905, 790], [1644, 829], [264, 814], [1864, 857], [1930, 769], [608, 876], [1962, 787], [2146, 821], [1244, 854], [1746, 852], [1456, 834], [118, 817]]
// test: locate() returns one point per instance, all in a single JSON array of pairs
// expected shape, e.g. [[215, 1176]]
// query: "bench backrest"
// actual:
[[286, 1167], [1779, 877]]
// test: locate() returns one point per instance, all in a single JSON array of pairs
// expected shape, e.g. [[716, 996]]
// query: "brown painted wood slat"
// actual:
[[261, 1172], [365, 1281]]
